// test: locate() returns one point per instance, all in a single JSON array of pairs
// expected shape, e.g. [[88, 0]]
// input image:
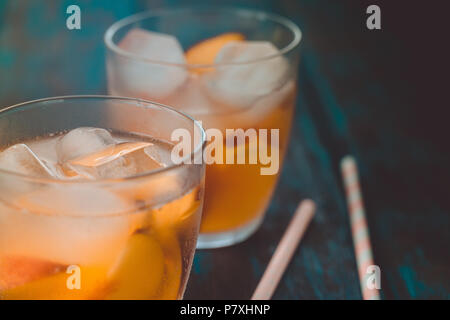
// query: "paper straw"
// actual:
[[285, 251], [360, 231]]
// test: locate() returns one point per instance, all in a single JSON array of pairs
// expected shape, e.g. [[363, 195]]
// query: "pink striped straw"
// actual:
[[360, 231]]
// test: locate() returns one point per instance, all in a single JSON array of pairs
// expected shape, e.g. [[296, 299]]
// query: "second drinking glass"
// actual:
[[236, 71]]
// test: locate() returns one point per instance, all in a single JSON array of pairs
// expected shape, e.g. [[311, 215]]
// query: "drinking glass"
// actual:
[[255, 92], [128, 237]]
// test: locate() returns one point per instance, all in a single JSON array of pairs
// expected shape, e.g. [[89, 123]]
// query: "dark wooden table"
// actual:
[[379, 95]]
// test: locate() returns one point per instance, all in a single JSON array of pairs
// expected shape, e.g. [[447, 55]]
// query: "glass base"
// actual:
[[225, 239]]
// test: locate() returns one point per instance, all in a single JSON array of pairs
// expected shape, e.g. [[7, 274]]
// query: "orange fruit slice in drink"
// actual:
[[62, 286], [17, 270], [205, 52], [140, 270]]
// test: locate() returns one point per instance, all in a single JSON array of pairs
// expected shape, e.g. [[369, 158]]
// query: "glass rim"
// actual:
[[103, 181], [287, 23]]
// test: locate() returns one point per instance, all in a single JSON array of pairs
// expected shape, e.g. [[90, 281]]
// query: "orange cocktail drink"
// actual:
[[238, 77], [92, 210]]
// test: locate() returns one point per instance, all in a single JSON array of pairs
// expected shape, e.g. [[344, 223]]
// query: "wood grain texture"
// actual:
[[360, 92]]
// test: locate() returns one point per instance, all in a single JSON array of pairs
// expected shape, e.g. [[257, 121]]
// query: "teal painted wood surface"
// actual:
[[356, 96]]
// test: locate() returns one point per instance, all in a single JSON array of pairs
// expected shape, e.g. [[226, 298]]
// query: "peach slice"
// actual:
[[17, 270], [55, 287], [205, 52], [139, 271]]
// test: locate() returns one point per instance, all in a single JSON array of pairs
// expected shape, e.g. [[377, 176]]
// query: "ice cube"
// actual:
[[82, 141], [160, 155], [143, 77], [268, 108], [20, 159], [45, 149], [192, 98], [251, 70], [117, 161], [67, 224]]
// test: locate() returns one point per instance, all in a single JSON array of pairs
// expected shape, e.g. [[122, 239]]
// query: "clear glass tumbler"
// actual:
[[230, 69], [114, 235]]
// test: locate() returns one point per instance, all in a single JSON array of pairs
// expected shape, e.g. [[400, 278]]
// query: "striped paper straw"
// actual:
[[360, 231]]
